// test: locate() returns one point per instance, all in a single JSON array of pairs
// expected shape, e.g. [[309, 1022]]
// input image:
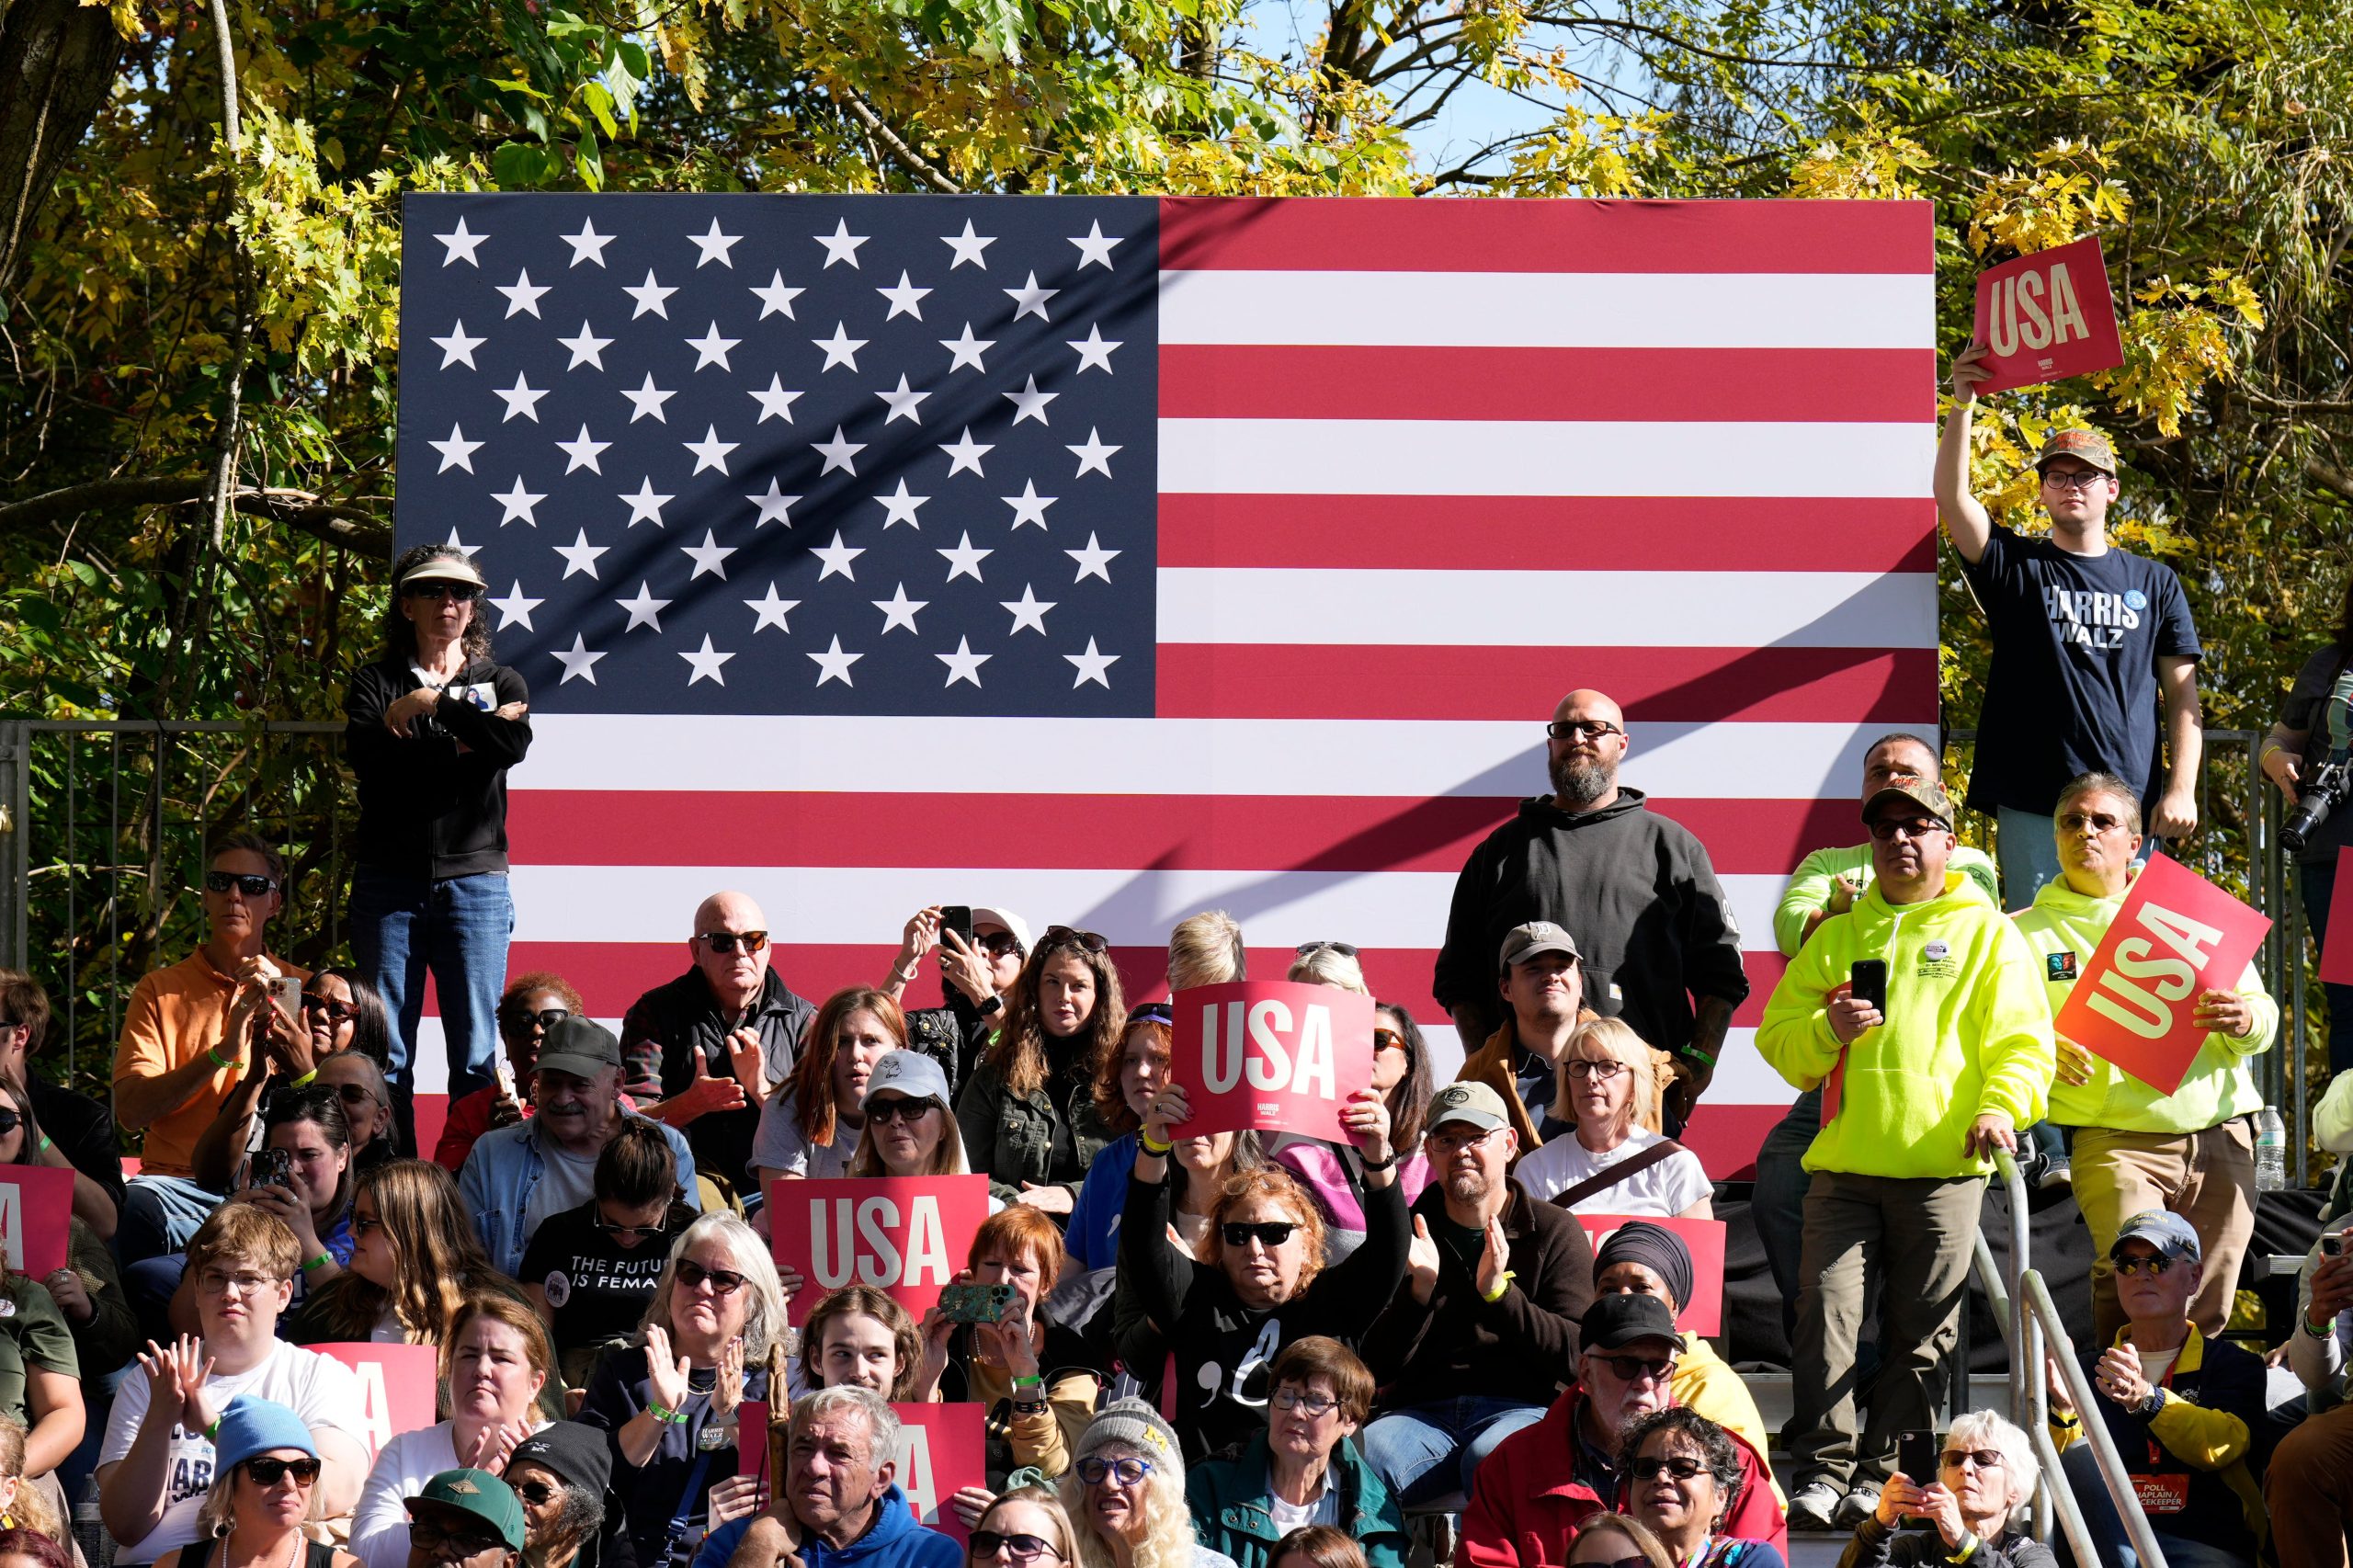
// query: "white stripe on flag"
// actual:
[[1552, 310], [1516, 457], [1529, 610], [1179, 756]]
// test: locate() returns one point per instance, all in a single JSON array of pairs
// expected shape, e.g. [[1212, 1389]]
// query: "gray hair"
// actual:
[[1984, 1428], [882, 1421], [2097, 783], [762, 1314]]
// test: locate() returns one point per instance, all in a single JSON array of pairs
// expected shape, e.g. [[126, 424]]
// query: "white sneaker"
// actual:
[[1814, 1506], [1855, 1507]]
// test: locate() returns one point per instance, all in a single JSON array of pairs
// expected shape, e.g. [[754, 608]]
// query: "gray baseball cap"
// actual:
[[582, 1047], [908, 1072], [1523, 942]]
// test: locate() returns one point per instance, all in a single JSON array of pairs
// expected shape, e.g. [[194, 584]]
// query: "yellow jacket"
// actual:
[[2064, 928], [1968, 1032], [1705, 1382]]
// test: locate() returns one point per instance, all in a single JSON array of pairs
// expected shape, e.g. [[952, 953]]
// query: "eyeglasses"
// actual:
[[898, 1108], [439, 1541], [1984, 1458], [1590, 728], [2155, 1265], [1129, 1472], [1340, 948], [1885, 828], [1067, 937], [10, 1120], [551, 1016], [1020, 1548], [1449, 1142], [460, 593], [2072, 481], [596, 1221], [1629, 1369], [1683, 1467], [1580, 1068], [218, 1282], [252, 887], [336, 1011], [538, 1494], [724, 941], [723, 1281], [1267, 1232], [354, 1094], [363, 1223], [997, 944], [1318, 1405], [2098, 822], [269, 1473], [1387, 1040]]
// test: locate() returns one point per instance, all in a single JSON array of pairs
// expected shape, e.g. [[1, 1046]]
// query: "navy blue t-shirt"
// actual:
[[2074, 682]]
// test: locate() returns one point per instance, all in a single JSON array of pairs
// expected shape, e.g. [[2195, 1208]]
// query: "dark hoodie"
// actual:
[[1633, 888], [434, 806]]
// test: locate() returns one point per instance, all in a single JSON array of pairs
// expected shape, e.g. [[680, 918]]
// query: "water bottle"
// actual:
[[2270, 1150]]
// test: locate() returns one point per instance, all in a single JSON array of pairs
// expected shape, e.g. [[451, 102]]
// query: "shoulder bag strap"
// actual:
[[1664, 1149]]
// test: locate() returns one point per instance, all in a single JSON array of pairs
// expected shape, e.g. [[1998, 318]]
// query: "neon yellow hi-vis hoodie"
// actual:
[[2064, 928], [1967, 1032]]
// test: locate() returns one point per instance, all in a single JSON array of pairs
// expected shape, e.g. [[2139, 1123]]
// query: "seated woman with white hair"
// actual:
[[1974, 1510], [1125, 1495], [1607, 1086]]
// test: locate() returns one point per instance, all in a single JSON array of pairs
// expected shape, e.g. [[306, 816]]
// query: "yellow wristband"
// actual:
[[304, 1081], [1502, 1284]]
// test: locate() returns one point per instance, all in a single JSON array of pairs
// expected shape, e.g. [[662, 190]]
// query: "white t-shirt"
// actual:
[[778, 1145], [1667, 1188], [380, 1524], [1325, 1510], [323, 1392]]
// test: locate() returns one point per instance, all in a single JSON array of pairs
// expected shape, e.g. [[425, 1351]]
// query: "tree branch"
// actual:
[[337, 523], [2329, 477], [879, 129]]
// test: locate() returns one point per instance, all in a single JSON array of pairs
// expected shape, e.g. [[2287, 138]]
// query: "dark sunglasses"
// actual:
[[1984, 1458], [252, 887], [537, 1492], [1619, 1563], [363, 1223], [724, 941], [1020, 1548], [723, 1281], [1340, 948], [2155, 1265], [460, 593], [1591, 729], [1066, 936], [269, 1473], [1626, 1369], [996, 944], [546, 1020], [1886, 828], [336, 1011], [10, 1120], [898, 1108], [1388, 1040], [1268, 1232], [354, 1094], [1683, 1467]]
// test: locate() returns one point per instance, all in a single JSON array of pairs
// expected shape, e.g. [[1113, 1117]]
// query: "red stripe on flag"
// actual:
[[1230, 833], [1657, 684], [1414, 234], [1680, 385], [1548, 533]]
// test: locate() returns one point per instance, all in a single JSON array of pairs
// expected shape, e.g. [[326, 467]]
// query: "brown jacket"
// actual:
[[1491, 1066]]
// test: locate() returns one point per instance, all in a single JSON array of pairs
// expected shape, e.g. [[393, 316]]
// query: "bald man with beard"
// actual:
[[1636, 891], [705, 1050]]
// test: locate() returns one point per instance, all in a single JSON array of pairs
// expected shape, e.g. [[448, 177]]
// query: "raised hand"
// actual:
[[1422, 1261], [728, 1392], [1968, 369], [665, 1377], [1365, 1119], [704, 1093], [494, 1445], [749, 1061], [1495, 1259]]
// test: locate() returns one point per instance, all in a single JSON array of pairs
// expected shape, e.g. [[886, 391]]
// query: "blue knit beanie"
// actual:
[[253, 1426]]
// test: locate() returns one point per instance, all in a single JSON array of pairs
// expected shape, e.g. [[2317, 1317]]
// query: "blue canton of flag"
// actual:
[[779, 454]]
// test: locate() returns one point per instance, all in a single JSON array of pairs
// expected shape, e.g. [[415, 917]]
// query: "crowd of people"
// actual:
[[1229, 1350]]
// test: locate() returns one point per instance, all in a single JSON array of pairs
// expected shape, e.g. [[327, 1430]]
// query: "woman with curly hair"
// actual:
[[810, 1126], [431, 728], [1031, 1103], [414, 1260], [1125, 1495]]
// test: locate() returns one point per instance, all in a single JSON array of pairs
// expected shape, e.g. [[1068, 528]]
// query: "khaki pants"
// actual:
[[2309, 1491], [1914, 1235], [2206, 1177]]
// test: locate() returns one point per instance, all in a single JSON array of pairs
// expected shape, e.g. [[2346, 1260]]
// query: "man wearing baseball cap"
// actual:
[[1495, 1284], [1541, 975], [2182, 1409], [1917, 1096], [465, 1518], [516, 1176], [1546, 1479], [2086, 638]]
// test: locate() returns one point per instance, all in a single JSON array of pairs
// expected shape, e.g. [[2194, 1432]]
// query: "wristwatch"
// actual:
[[991, 1008]]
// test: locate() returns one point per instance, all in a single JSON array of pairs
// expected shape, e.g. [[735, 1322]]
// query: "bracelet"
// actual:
[[1966, 1550], [668, 1417], [2322, 1331], [304, 1081], [1034, 1380], [314, 1265], [212, 1433], [1701, 1057], [1501, 1285], [1369, 1166], [1157, 1151], [220, 1060], [45, 1144]]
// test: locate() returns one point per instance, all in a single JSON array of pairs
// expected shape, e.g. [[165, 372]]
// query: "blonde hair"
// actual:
[[1062, 1537], [1206, 949], [31, 1509], [1614, 1040], [763, 1313], [438, 1256], [1633, 1529], [1167, 1521], [1329, 966], [946, 1155]]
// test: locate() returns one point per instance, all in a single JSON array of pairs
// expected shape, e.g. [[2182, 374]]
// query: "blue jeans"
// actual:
[[403, 926], [2316, 882], [2106, 1526], [2026, 847], [1410, 1448], [159, 1214]]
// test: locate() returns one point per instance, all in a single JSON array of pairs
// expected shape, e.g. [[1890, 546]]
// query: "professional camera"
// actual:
[[2323, 795]]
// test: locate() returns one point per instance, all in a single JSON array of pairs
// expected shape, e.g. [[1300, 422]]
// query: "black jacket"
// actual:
[[1635, 890], [1876, 1546], [426, 808], [1520, 1345], [669, 1026]]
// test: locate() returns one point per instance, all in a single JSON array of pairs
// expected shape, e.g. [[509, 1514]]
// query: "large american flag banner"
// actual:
[[1109, 559]]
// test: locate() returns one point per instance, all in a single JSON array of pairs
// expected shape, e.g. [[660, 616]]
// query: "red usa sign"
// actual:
[[36, 1209], [1270, 1056], [904, 1235], [942, 1449], [1703, 1315], [397, 1384], [2047, 317]]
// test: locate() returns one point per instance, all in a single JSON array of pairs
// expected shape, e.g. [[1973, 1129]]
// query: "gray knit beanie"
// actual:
[[1138, 1425]]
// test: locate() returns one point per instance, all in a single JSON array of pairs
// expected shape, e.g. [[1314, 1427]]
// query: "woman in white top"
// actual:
[[494, 1364], [1605, 1084]]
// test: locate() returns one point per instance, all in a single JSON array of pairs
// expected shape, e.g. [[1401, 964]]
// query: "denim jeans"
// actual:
[[2316, 882], [1410, 1448], [159, 1214], [2106, 1526], [401, 928]]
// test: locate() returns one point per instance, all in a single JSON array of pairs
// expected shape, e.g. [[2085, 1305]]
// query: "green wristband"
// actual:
[[314, 1265], [220, 1060], [212, 1433], [304, 1081], [1698, 1055], [668, 1417]]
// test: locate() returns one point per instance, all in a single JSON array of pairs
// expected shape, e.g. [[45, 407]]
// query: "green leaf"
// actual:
[[519, 165], [590, 163], [600, 104]]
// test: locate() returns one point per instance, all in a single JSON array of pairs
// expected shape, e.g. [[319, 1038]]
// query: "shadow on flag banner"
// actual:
[[36, 1203], [904, 1235], [396, 1387]]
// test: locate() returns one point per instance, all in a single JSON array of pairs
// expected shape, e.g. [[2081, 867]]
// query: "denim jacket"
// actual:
[[503, 1169]]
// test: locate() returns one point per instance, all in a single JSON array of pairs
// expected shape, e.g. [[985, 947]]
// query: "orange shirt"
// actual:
[[176, 1016]]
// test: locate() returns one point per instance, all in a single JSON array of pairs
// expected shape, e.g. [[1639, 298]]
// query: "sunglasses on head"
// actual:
[[1067, 937], [251, 886], [723, 1281], [269, 1473], [898, 1108], [1340, 948], [997, 944], [1267, 1232], [724, 941], [1153, 1012], [335, 1011]]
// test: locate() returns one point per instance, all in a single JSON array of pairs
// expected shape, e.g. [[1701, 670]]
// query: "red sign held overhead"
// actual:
[[397, 1384], [1703, 1315], [36, 1205], [2177, 935], [2047, 317], [1270, 1056], [904, 1235]]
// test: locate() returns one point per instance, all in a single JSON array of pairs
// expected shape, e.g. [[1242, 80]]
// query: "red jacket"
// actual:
[[1527, 1501]]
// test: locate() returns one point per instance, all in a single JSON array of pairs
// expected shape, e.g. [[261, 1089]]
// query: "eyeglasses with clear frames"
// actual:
[[1450, 1141], [1315, 1405], [220, 1282], [2077, 482]]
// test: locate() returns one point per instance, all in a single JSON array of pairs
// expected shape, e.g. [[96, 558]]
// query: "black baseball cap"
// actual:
[[1612, 1322], [578, 1046]]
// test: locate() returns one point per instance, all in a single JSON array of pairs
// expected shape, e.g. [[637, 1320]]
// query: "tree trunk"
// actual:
[[57, 61]]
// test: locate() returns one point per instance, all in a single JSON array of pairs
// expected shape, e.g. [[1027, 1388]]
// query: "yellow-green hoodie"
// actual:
[[1968, 1032], [2065, 928]]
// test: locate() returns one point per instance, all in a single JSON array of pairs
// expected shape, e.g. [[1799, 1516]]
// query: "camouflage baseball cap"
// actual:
[[2083, 446], [1925, 793]]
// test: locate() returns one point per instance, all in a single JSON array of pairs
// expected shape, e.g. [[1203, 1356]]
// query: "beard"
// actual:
[[1580, 783]]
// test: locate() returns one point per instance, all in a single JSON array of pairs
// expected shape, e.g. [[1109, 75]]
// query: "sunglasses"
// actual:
[[460, 593], [10, 1120], [1065, 936], [1589, 729], [269, 1473], [335, 1011], [1683, 1467], [1267, 1233], [723, 1281], [2098, 822], [1387, 1040], [361, 1225], [1020, 1548], [1984, 1458], [252, 887], [538, 1494], [1340, 948], [434, 1540], [547, 1019], [354, 1094], [1129, 1472], [596, 1221], [997, 944], [1618, 1563], [1626, 1369], [898, 1108], [724, 941], [1884, 828], [2155, 1265]]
